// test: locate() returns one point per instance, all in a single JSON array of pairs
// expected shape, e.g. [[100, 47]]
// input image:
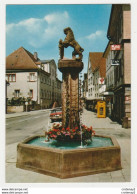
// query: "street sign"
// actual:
[[115, 47], [101, 80], [115, 62]]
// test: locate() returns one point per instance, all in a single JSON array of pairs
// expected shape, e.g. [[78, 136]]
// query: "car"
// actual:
[[56, 114]]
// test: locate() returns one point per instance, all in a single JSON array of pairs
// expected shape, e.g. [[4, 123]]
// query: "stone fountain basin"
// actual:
[[69, 163]]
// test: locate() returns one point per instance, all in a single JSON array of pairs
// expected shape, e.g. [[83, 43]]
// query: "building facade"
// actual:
[[85, 86], [31, 79], [99, 78], [109, 93], [96, 65], [119, 76]]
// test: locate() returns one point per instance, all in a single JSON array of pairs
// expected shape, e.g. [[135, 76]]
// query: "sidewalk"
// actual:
[[102, 126], [90, 118]]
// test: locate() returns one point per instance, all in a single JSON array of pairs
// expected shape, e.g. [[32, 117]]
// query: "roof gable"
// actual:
[[94, 58], [21, 59], [102, 67]]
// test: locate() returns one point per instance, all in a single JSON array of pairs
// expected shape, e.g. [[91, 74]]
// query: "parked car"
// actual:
[[56, 114]]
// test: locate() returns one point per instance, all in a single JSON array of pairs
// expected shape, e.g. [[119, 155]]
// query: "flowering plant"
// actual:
[[87, 133], [67, 134]]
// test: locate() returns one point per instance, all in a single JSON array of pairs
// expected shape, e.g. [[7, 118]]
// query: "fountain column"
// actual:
[[70, 91]]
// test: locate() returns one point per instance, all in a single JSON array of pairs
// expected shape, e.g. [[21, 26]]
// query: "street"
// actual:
[[22, 125], [25, 126]]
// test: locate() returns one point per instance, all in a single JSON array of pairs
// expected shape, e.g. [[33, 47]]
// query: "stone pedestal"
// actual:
[[70, 92]]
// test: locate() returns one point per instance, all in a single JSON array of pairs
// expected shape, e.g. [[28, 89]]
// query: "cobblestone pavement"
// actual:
[[102, 126]]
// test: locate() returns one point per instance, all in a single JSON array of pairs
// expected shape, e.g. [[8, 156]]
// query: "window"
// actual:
[[17, 93], [52, 72], [41, 93], [32, 77], [91, 91], [41, 79], [11, 77], [31, 93]]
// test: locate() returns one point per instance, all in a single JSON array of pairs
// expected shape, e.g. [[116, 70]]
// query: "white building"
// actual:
[[96, 65], [32, 79]]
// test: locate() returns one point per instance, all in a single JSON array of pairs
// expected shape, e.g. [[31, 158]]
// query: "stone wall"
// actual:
[[15, 109]]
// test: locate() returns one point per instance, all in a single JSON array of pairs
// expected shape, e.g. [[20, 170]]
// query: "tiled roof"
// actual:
[[46, 61], [21, 59], [102, 67], [94, 58]]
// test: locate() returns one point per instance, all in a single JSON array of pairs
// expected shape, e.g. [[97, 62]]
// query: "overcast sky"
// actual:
[[38, 28]]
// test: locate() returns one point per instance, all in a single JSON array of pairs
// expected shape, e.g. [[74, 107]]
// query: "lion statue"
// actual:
[[70, 41]]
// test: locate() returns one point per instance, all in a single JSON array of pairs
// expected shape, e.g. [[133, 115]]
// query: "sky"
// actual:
[[38, 28]]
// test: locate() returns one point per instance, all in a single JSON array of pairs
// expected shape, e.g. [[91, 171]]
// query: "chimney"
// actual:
[[36, 55]]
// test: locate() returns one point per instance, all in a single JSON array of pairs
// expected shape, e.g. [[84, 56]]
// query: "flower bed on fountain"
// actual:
[[66, 134]]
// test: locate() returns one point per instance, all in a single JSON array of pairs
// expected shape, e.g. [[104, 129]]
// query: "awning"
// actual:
[[108, 93], [94, 99]]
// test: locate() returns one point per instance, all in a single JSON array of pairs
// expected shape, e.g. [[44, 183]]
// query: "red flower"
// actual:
[[76, 128], [88, 129], [63, 132], [54, 136], [55, 130], [67, 134], [67, 128]]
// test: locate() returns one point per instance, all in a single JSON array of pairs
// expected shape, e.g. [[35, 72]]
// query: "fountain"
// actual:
[[69, 150]]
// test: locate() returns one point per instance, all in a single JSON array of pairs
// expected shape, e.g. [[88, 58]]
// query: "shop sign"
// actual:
[[115, 47], [115, 62], [101, 80]]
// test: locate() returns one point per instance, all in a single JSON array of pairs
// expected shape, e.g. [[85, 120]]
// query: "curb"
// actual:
[[24, 114], [16, 116]]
